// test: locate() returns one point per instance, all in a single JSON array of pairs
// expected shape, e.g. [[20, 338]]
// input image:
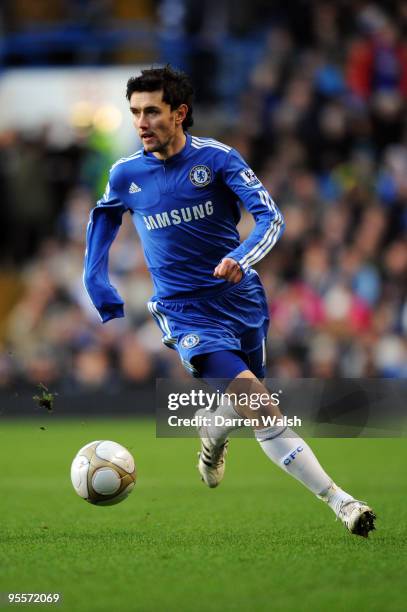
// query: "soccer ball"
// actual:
[[103, 473]]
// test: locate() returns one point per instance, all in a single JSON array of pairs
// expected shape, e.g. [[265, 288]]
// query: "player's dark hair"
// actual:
[[175, 85]]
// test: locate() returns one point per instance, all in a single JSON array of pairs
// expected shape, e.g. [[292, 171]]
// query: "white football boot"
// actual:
[[211, 457], [357, 517]]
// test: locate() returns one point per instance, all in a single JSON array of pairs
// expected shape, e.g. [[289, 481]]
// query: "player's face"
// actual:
[[157, 125]]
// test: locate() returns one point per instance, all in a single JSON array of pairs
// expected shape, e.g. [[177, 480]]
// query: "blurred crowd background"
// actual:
[[312, 93]]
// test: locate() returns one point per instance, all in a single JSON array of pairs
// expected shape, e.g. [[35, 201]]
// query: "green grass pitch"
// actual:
[[259, 542]]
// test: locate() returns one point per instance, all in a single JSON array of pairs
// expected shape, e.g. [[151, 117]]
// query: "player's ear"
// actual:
[[181, 113]]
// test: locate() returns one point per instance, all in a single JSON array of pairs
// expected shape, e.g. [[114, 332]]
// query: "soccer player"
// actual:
[[182, 193]]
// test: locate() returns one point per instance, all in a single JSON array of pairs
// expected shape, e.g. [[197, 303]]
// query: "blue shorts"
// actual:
[[234, 319]]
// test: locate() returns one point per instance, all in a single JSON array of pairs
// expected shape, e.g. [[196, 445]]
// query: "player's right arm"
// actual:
[[105, 220]]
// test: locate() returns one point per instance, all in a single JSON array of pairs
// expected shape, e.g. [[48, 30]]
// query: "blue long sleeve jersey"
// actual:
[[185, 210]]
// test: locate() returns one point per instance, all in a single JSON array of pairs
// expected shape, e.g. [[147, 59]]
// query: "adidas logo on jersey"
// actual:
[[134, 188]]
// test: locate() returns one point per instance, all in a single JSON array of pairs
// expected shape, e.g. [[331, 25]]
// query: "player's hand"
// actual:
[[228, 269]]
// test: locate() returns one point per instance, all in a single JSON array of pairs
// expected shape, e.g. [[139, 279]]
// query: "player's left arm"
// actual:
[[269, 220]]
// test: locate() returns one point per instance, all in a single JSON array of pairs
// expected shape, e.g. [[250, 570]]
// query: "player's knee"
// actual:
[[253, 399]]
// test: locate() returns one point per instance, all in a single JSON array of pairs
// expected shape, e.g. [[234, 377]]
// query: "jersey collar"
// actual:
[[151, 159]]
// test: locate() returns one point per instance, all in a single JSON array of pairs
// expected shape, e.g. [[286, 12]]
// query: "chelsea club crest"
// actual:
[[189, 341], [200, 176]]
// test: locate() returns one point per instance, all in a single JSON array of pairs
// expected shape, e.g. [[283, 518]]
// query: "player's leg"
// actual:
[[281, 444], [292, 454], [217, 369]]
